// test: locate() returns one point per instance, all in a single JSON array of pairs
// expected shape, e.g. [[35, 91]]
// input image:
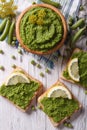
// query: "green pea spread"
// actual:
[[59, 108], [41, 29], [20, 94], [82, 63]]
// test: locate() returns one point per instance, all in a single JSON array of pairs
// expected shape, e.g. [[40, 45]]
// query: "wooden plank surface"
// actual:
[[13, 119]]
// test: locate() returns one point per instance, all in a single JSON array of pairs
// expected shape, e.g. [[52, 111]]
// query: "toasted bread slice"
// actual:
[[37, 93], [70, 80], [58, 83]]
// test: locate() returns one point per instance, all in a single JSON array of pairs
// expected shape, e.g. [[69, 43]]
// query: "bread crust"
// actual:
[[37, 93], [45, 94]]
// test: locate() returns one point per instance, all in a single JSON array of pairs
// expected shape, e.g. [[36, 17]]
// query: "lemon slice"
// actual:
[[59, 91], [17, 77], [73, 70]]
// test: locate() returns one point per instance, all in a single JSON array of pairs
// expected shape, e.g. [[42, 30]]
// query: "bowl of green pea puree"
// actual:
[[41, 29]]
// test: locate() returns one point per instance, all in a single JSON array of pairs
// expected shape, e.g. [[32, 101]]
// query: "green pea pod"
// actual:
[[2, 25], [11, 31], [78, 34], [79, 23], [56, 4], [6, 30]]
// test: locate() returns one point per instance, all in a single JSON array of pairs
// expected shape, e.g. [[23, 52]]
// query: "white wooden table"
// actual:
[[13, 119]]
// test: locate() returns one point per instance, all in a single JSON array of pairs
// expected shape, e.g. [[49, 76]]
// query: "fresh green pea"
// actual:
[[39, 66], [20, 52], [2, 25], [14, 66], [14, 38], [65, 124], [2, 68], [79, 23], [78, 34], [68, 125], [33, 3], [11, 31], [33, 62], [1, 52], [81, 8], [13, 43], [70, 21], [47, 71], [56, 4], [33, 108], [42, 74], [6, 30], [13, 57]]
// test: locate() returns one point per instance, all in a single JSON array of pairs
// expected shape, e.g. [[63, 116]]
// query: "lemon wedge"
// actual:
[[59, 91], [17, 77], [73, 70]]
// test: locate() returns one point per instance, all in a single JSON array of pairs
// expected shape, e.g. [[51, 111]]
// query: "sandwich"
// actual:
[[21, 89], [76, 69], [58, 103]]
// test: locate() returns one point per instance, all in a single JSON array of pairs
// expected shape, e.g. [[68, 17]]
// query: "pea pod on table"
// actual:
[[6, 30], [11, 31], [2, 25], [56, 4], [79, 23], [78, 34]]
